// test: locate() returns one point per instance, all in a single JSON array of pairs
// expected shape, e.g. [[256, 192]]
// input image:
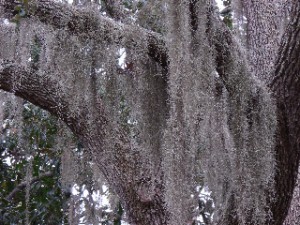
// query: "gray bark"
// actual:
[[117, 167]]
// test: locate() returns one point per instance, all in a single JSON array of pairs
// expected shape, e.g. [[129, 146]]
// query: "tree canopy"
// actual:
[[157, 101]]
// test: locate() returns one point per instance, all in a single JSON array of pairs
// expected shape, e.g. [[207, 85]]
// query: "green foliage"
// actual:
[[227, 15], [38, 131], [35, 140], [133, 5], [128, 4], [35, 51], [119, 212], [20, 11]]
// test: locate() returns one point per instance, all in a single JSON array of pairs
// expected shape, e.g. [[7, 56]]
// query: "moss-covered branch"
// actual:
[[93, 25], [41, 90]]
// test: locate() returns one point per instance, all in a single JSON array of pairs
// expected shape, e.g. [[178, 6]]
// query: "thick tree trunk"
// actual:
[[286, 86], [293, 216]]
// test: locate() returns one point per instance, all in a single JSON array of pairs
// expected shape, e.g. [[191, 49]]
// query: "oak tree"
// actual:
[[163, 94]]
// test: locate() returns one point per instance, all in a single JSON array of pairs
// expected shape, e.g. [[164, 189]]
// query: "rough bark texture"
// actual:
[[262, 36], [293, 216], [285, 85], [121, 164]]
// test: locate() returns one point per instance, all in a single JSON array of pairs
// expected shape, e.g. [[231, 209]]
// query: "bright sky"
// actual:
[[220, 4]]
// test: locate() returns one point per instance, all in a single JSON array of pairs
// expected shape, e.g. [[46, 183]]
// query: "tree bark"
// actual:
[[40, 90], [286, 86], [117, 167], [92, 25]]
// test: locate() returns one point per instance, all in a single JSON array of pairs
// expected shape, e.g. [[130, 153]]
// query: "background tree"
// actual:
[[163, 105]]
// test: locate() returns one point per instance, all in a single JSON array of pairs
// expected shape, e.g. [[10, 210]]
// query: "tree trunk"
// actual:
[[286, 86], [143, 196]]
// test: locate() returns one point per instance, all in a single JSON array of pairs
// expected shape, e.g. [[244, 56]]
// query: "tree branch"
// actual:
[[23, 184], [85, 22], [41, 90], [285, 87]]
